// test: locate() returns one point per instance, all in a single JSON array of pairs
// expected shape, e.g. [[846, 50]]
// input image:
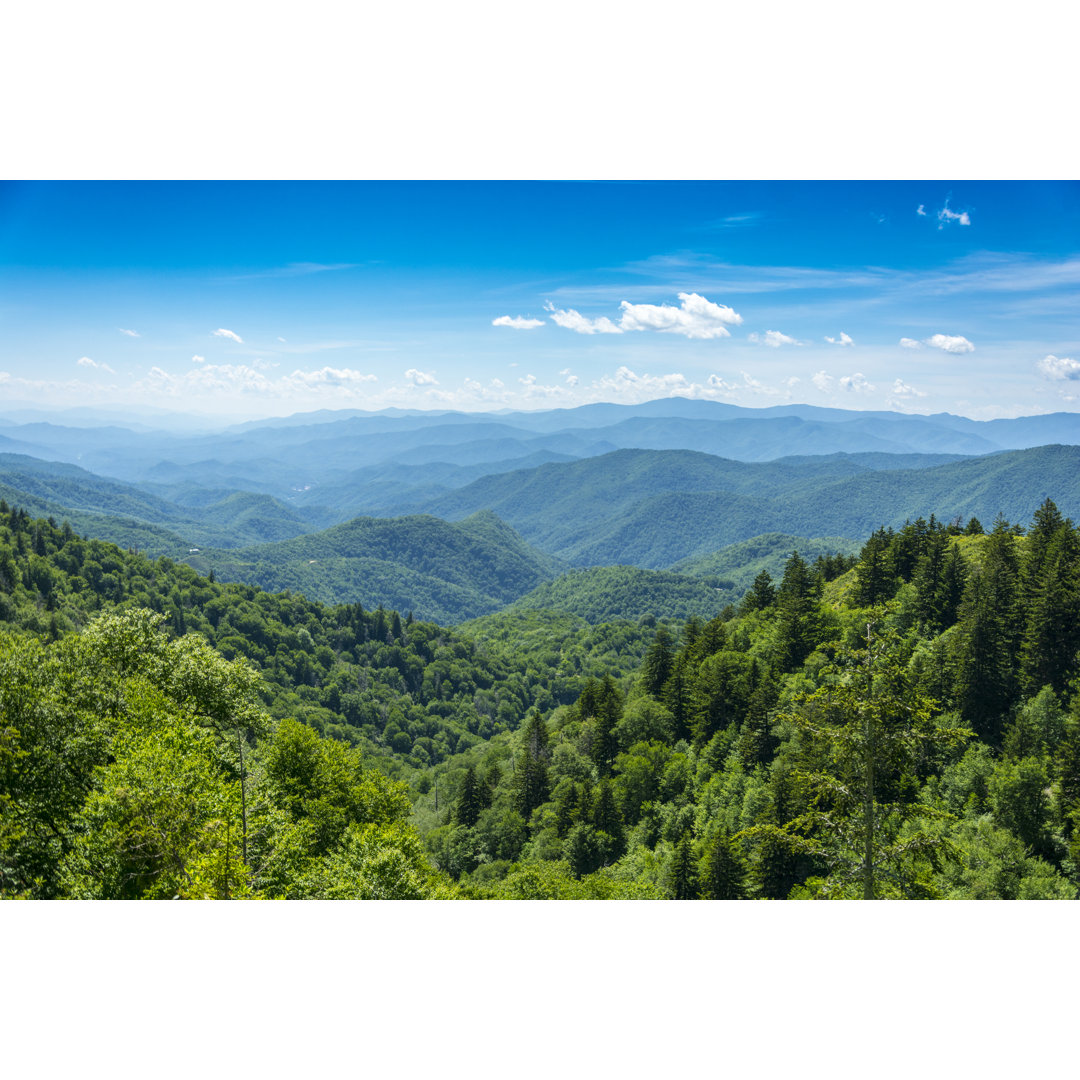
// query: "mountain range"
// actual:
[[456, 515]]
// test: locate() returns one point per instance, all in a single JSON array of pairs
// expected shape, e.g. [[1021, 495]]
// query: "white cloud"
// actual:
[[574, 320], [85, 361], [517, 322], [198, 359], [921, 210], [773, 338], [130, 333], [903, 389], [421, 378], [822, 381], [695, 317], [1059, 367], [249, 380], [282, 340], [228, 334], [946, 216], [857, 384], [843, 339], [910, 343], [950, 343]]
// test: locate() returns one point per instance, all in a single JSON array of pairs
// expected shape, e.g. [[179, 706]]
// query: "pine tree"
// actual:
[[682, 879], [761, 595], [798, 627], [656, 667], [723, 870], [987, 678], [470, 801], [875, 579]]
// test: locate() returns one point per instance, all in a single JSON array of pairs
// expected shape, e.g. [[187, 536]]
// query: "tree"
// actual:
[[470, 801], [723, 869], [799, 625], [682, 875], [656, 667], [863, 738], [761, 595]]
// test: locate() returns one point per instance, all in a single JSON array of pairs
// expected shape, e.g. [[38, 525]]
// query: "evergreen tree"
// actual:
[[470, 800], [875, 578], [656, 667], [723, 870], [682, 875], [760, 596], [987, 677], [798, 626]]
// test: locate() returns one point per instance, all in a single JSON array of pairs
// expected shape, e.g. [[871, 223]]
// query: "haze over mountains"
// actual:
[[488, 508]]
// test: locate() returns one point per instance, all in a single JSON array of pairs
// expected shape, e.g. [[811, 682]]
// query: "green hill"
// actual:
[[437, 569], [603, 593]]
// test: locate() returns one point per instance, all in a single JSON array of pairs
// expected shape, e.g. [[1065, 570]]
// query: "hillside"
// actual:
[[436, 569]]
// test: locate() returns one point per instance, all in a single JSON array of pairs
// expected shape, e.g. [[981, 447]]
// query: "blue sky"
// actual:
[[253, 299]]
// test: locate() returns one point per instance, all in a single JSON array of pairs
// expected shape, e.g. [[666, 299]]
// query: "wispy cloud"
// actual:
[[295, 269], [85, 361], [843, 339], [1059, 367], [921, 210], [246, 379], [517, 322], [910, 343], [129, 333], [228, 334], [198, 359], [773, 338], [950, 343], [946, 216], [421, 378], [736, 221]]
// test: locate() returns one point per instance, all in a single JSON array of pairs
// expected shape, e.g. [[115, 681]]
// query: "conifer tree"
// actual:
[[470, 801], [723, 869], [798, 626], [761, 595], [656, 667], [683, 882]]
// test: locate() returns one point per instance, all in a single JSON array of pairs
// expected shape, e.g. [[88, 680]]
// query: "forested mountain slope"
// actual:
[[434, 568]]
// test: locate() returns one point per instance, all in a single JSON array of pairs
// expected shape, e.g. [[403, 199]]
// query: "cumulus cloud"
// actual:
[[903, 389], [1059, 367], [910, 343], [569, 319], [695, 317], [421, 378], [822, 381], [198, 359], [129, 333], [843, 339], [773, 338], [921, 210], [857, 384], [85, 361], [222, 332], [950, 343], [517, 322]]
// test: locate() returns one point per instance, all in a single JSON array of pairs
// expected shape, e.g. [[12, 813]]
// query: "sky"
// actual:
[[249, 299]]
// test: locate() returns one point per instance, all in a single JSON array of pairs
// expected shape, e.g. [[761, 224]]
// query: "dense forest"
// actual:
[[903, 724]]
